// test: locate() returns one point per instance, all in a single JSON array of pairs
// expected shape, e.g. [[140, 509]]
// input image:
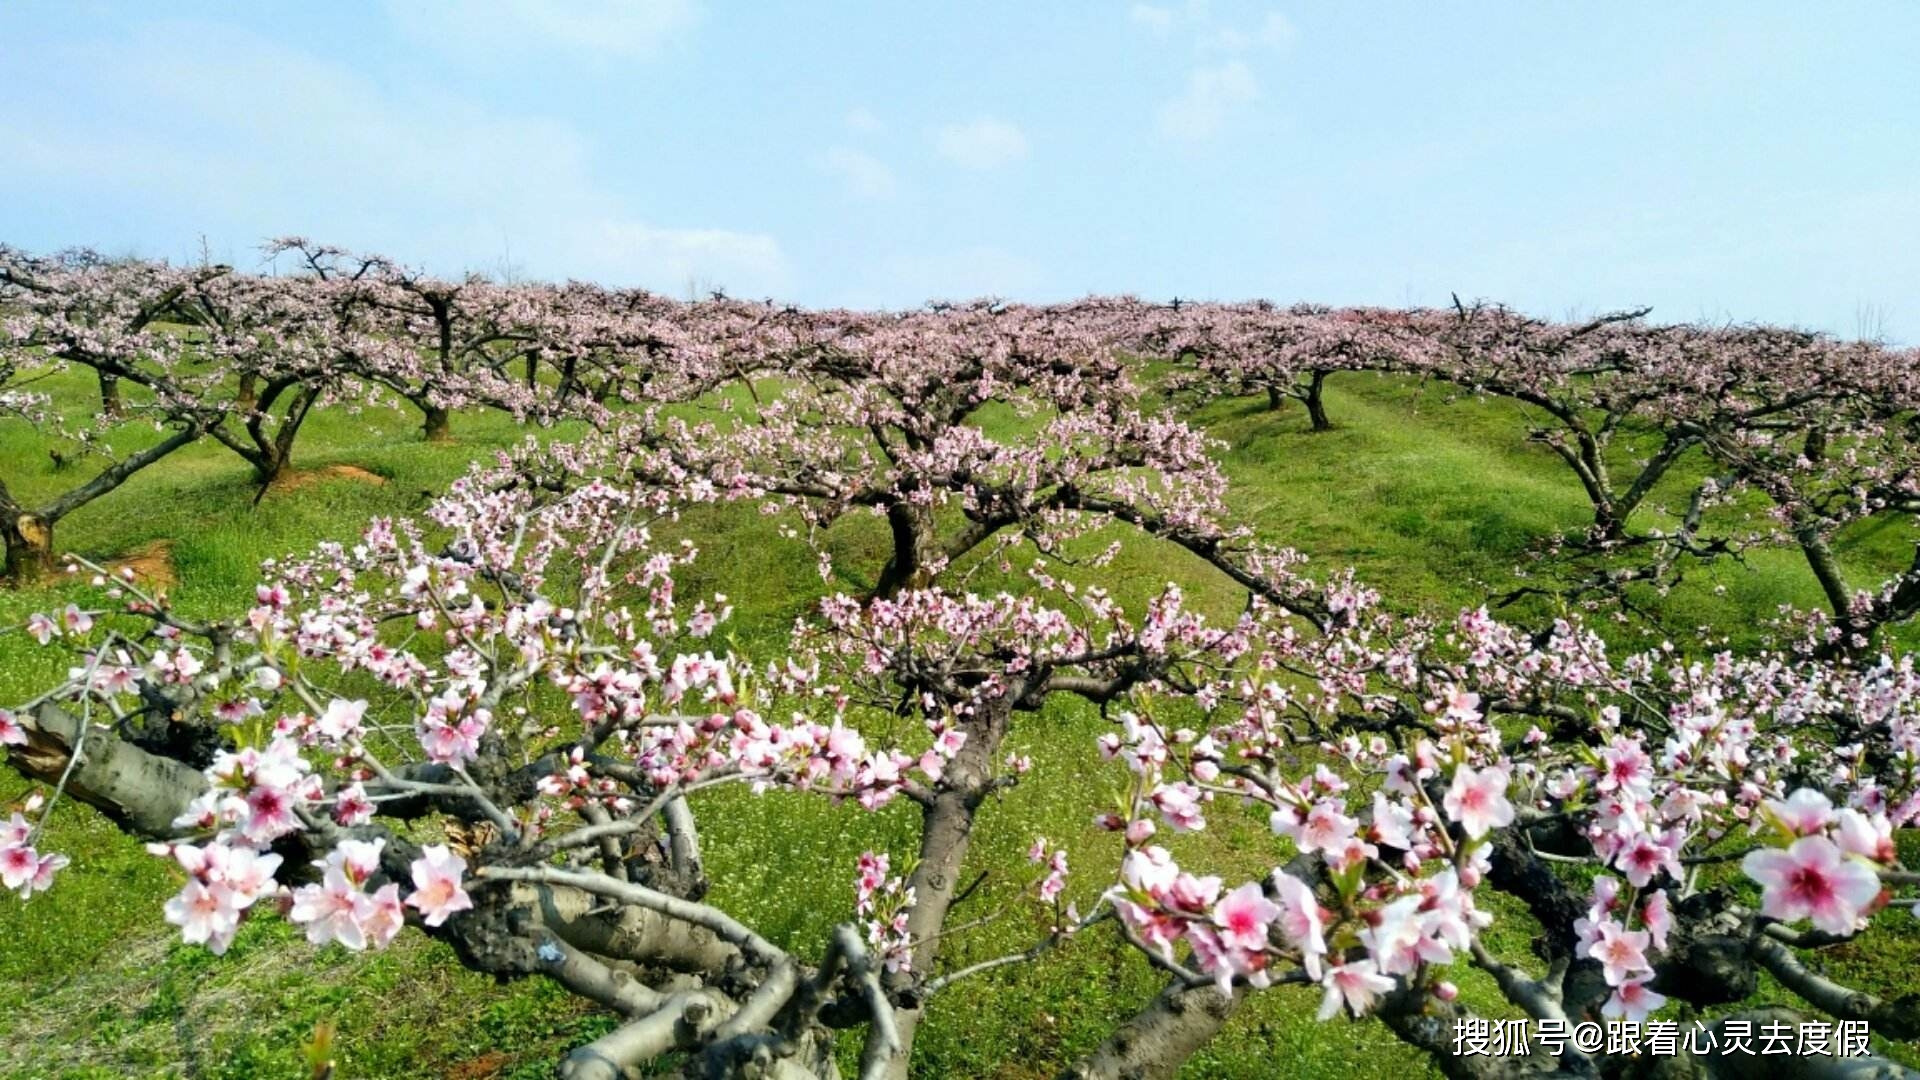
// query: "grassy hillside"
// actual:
[[1431, 500]]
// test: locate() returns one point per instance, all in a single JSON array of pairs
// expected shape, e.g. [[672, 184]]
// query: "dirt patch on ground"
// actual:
[[487, 1066], [151, 563], [302, 478]]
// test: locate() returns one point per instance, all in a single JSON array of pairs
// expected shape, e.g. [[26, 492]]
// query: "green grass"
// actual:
[[1433, 501]]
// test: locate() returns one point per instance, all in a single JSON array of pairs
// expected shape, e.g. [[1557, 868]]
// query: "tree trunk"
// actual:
[[141, 792], [946, 832], [1158, 1039], [110, 403], [29, 547], [1275, 399], [1826, 571], [271, 464], [278, 457], [916, 550], [438, 426], [1316, 405]]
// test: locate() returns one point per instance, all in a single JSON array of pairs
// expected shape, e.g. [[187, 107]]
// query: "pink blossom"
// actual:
[[1056, 879], [380, 915], [1191, 893], [1805, 812], [1625, 767], [43, 871], [1150, 870], [247, 874], [1356, 986], [1243, 916], [1621, 952], [341, 720], [1868, 837], [360, 859], [1478, 800], [1813, 878], [205, 913], [1326, 827], [1632, 1001], [17, 865], [26, 871], [1179, 803], [76, 622], [1300, 920], [331, 910], [437, 893], [1657, 915], [1225, 961], [351, 806], [11, 731], [1400, 939], [1462, 705], [452, 744], [1644, 857], [269, 814], [1392, 822]]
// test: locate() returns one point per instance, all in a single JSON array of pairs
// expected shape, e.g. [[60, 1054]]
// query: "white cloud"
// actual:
[[1156, 19], [1211, 96], [239, 135], [981, 144], [863, 121], [1274, 32], [745, 264], [612, 28], [865, 175]]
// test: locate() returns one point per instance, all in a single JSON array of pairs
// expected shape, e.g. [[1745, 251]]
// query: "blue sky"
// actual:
[[1747, 161]]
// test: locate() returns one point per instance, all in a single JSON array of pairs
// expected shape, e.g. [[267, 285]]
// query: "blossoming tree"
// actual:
[[110, 318]]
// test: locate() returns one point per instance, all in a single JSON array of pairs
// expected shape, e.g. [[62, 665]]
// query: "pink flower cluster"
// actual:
[[224, 880], [1829, 870], [339, 909], [1624, 954], [883, 903], [23, 869], [256, 793]]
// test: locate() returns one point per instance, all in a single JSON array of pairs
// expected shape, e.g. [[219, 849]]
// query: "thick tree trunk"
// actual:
[[110, 402], [279, 448], [141, 792], [272, 464], [1316, 404], [437, 425], [916, 550], [1157, 1040], [29, 541], [1275, 399]]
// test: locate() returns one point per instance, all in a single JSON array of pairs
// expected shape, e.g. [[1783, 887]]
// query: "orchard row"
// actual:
[[497, 721]]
